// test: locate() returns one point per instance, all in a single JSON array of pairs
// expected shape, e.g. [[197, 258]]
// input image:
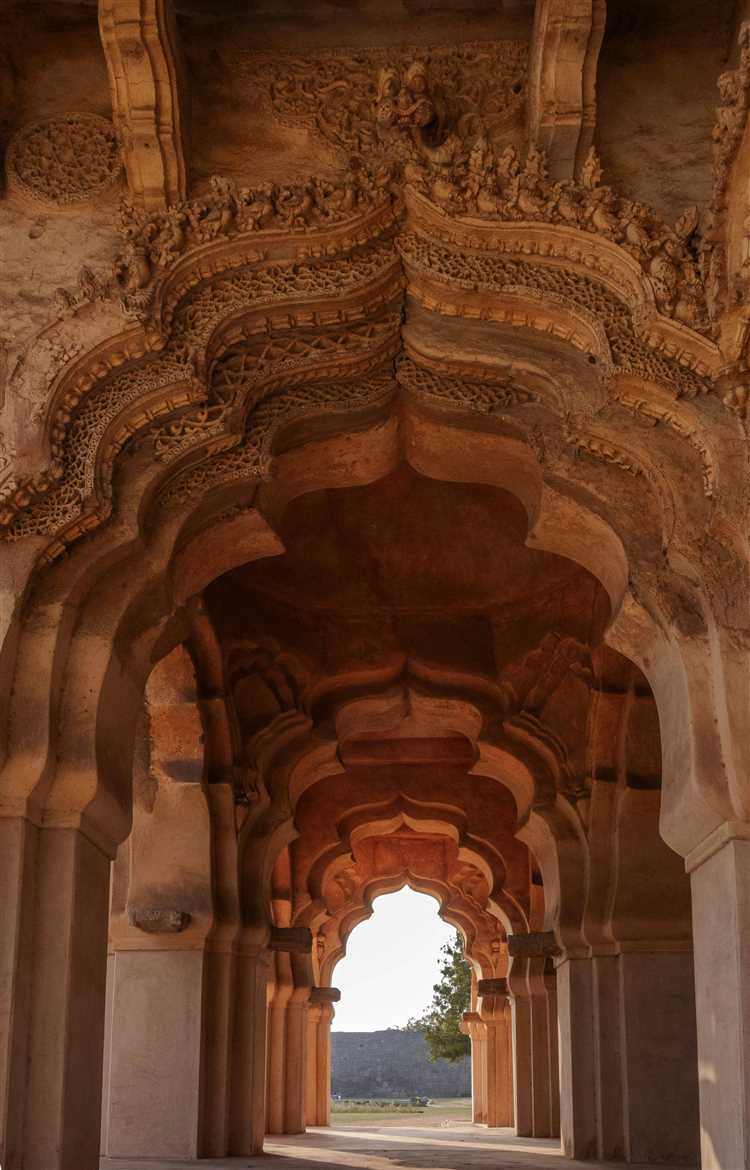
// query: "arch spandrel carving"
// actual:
[[545, 257], [317, 303]]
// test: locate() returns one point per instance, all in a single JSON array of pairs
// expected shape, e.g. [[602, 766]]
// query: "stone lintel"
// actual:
[[535, 945], [154, 921], [294, 939]]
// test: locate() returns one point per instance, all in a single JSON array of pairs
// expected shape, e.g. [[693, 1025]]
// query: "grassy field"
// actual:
[[400, 1112]]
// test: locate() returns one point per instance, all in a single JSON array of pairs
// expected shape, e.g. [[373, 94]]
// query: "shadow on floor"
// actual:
[[457, 1146]]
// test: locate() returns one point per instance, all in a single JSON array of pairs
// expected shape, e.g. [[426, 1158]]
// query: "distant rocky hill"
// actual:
[[393, 1064]]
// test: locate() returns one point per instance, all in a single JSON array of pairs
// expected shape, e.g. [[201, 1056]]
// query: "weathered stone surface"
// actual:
[[535, 944], [159, 921], [373, 511]]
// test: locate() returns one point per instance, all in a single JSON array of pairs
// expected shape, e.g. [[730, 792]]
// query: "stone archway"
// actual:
[[274, 750], [533, 354]]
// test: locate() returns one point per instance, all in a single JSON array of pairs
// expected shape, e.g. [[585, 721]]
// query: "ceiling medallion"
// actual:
[[62, 161]]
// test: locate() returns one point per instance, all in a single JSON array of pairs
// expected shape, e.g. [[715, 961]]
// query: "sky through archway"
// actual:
[[391, 963]]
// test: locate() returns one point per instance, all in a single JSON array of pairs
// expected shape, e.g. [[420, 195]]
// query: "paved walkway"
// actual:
[[455, 1146]]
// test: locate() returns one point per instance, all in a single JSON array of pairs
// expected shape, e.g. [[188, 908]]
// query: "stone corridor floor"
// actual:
[[453, 1147]]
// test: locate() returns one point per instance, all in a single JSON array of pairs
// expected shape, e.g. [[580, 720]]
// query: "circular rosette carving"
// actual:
[[65, 160]]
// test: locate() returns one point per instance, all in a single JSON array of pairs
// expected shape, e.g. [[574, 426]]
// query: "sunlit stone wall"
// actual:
[[393, 1064]]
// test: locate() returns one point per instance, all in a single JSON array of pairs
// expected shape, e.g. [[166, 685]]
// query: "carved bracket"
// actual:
[[535, 945], [153, 921], [294, 940], [492, 987], [325, 995]]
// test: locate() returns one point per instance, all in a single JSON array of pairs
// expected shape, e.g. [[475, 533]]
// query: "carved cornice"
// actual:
[[491, 394], [165, 253], [248, 296], [96, 409], [536, 261], [291, 362], [657, 414], [249, 459], [564, 300]]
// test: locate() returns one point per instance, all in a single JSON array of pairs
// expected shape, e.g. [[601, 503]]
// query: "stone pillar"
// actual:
[[320, 1017], [277, 1021], [523, 1078], [607, 1035], [544, 1080], [720, 883], [659, 1056], [247, 1115], [287, 1031], [163, 1011], [54, 892], [536, 1076], [220, 966], [473, 1026], [575, 1005], [550, 983], [498, 1052], [323, 1115], [295, 1061], [627, 1055], [314, 1011], [156, 997]]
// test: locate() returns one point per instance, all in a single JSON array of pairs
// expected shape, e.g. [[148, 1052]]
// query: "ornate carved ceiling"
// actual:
[[416, 263], [232, 290]]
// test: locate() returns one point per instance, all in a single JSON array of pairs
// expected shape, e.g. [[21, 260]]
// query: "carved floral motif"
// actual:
[[497, 272], [64, 160], [90, 287], [333, 94], [244, 366], [249, 460], [490, 395], [477, 183], [152, 242]]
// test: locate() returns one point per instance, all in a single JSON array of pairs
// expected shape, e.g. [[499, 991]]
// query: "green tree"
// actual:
[[451, 997]]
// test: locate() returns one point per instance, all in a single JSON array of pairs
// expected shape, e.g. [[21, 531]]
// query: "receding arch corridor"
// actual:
[[374, 516]]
